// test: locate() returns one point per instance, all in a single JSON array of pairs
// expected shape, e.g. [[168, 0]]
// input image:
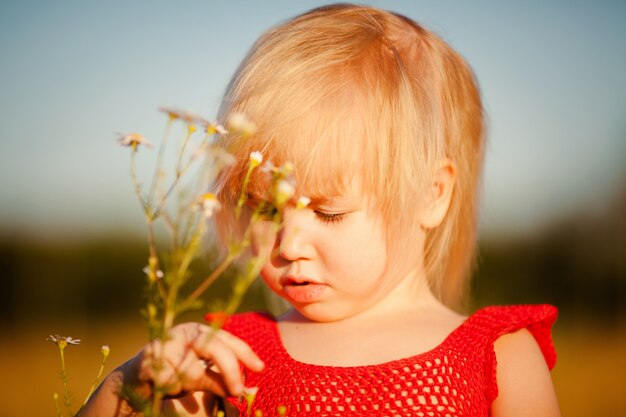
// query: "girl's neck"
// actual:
[[374, 336]]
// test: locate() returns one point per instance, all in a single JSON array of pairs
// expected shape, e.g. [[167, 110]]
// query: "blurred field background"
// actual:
[[92, 290], [553, 224]]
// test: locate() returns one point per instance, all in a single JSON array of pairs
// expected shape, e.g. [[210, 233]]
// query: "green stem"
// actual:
[[55, 397], [171, 188], [155, 177], [178, 173], [157, 397], [156, 404], [168, 322], [242, 285], [190, 252], [154, 254], [66, 391], [181, 151], [234, 252], [135, 180], [200, 289], [243, 195], [173, 230], [95, 382]]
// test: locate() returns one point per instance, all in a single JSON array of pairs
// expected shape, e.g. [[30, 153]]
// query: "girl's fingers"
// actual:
[[225, 360], [208, 337], [209, 346], [199, 336], [180, 361], [195, 375], [213, 382], [242, 350]]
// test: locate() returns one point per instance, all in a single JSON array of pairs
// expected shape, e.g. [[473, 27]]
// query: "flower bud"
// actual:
[[284, 191], [105, 351], [287, 169], [240, 123], [256, 158], [208, 203], [302, 202]]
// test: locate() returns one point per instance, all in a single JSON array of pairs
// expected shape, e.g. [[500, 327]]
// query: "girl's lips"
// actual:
[[303, 291]]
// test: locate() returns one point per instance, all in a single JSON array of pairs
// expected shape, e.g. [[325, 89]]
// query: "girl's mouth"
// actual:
[[303, 290]]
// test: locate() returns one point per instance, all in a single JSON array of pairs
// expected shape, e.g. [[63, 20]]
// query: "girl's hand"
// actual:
[[196, 358], [194, 364]]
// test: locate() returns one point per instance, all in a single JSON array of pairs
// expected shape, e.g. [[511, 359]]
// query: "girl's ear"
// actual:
[[439, 195]]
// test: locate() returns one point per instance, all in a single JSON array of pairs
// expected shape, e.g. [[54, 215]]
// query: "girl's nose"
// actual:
[[295, 238]]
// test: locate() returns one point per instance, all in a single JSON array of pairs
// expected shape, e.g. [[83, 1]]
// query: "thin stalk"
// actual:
[[232, 255], [181, 151], [156, 404], [155, 177], [187, 216], [154, 253], [171, 189], [243, 194], [66, 391], [179, 171], [243, 284], [168, 321], [189, 253], [95, 382], [157, 398], [200, 289], [173, 229], [135, 180], [55, 397]]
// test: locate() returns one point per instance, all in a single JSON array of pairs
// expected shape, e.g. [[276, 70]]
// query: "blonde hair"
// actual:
[[349, 92]]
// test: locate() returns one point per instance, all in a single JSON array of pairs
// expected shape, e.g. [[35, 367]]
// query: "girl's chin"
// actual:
[[319, 313]]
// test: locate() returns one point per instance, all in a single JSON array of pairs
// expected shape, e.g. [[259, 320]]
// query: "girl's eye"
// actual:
[[263, 208], [329, 217], [267, 211]]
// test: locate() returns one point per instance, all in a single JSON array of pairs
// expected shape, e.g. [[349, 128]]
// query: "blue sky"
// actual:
[[73, 73]]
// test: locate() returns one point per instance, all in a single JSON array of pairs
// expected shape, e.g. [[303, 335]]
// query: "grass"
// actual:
[[589, 376]]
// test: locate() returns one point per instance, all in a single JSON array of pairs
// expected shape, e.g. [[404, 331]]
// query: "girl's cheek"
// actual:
[[263, 239]]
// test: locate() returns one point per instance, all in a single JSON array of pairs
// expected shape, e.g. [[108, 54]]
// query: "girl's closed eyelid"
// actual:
[[325, 217]]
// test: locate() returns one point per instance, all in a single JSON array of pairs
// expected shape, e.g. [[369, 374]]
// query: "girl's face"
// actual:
[[330, 260]]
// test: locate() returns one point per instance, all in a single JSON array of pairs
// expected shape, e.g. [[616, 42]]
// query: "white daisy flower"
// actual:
[[240, 123], [133, 140]]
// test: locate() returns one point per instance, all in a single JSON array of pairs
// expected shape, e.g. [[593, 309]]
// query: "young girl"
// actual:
[[383, 122]]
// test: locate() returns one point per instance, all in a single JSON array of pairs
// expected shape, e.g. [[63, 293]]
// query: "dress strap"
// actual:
[[496, 321]]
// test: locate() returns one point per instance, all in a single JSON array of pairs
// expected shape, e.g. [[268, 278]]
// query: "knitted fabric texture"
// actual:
[[455, 379]]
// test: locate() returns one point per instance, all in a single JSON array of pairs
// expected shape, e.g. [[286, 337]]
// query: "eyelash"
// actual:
[[329, 217], [268, 211]]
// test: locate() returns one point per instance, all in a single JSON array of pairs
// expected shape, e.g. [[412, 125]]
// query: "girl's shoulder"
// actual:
[[518, 334]]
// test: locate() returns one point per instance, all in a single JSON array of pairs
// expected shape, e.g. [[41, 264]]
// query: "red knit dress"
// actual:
[[455, 379]]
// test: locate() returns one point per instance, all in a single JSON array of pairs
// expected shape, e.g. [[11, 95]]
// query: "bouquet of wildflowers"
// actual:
[[183, 202]]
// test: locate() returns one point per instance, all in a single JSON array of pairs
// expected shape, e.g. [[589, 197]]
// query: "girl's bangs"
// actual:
[[325, 141]]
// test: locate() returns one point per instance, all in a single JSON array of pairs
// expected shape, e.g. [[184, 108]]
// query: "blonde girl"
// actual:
[[384, 124]]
